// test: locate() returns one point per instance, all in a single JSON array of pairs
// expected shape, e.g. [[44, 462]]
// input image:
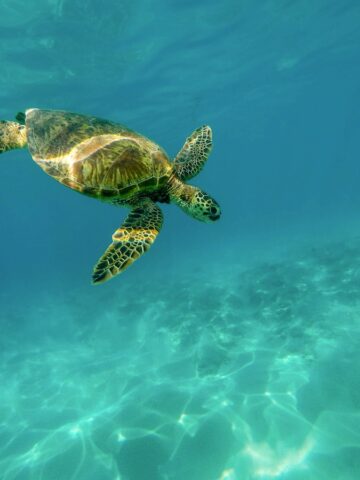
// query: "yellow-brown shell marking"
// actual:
[[94, 156]]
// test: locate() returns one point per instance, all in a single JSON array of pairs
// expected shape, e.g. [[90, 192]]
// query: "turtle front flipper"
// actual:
[[130, 241], [193, 155]]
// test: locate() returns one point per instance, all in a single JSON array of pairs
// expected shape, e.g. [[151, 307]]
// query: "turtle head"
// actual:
[[203, 207], [196, 203]]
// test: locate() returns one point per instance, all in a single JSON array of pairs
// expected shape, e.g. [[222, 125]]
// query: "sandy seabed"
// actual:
[[249, 374]]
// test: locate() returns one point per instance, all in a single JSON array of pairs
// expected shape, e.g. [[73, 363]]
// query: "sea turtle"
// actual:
[[112, 163]]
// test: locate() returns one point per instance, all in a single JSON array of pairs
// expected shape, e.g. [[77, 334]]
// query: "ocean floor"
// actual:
[[247, 374]]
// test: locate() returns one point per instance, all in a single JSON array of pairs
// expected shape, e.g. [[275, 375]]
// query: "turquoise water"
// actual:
[[230, 351]]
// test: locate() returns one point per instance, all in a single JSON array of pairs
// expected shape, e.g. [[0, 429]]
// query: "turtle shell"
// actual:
[[95, 156]]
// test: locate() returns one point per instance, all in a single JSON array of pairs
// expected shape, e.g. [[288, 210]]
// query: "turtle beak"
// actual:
[[215, 212]]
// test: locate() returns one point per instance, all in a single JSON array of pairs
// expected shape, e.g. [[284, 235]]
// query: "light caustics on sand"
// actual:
[[257, 377]]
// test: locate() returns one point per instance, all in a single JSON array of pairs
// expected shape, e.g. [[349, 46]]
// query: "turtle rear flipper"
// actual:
[[12, 135], [130, 241], [193, 155]]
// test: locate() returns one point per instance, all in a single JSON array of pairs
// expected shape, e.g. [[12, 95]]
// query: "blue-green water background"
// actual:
[[230, 351]]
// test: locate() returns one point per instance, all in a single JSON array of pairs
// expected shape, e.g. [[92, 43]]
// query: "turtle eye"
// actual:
[[213, 210]]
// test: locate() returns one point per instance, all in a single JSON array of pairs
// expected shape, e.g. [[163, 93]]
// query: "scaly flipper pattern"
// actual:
[[12, 135], [193, 155], [130, 241]]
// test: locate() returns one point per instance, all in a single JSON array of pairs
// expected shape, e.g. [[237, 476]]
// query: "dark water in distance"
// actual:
[[230, 351]]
